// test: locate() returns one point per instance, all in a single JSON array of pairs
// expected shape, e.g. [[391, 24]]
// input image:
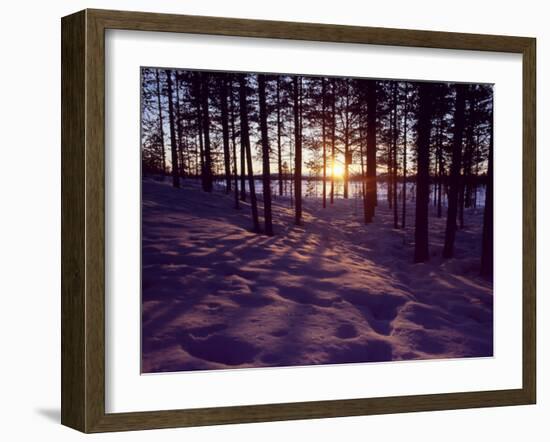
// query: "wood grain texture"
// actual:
[[95, 222], [73, 127], [529, 220], [83, 220], [143, 21]]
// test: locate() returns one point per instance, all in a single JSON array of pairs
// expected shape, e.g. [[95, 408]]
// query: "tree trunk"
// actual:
[[234, 145], [243, 170], [363, 174], [405, 126], [436, 163], [173, 141], [291, 175], [461, 190], [463, 177], [371, 150], [440, 170], [346, 167], [333, 141], [394, 176], [487, 240], [346, 123], [279, 149], [475, 183], [389, 164], [298, 153], [421, 240], [225, 134], [323, 123], [433, 183], [466, 191], [179, 127], [245, 143], [199, 127], [163, 153], [454, 177], [468, 173], [266, 174], [208, 179]]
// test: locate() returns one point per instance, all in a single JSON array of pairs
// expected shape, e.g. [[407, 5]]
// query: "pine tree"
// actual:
[[454, 178], [405, 127], [161, 125], [279, 134], [394, 157], [266, 174], [233, 143], [324, 136], [371, 149], [421, 243], [225, 131], [487, 240], [207, 172], [333, 138], [199, 122], [298, 154], [179, 127], [245, 144], [173, 141]]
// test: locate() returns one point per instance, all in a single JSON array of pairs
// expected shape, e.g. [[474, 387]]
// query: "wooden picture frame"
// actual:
[[83, 220]]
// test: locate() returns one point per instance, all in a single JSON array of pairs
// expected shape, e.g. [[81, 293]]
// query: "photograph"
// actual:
[[292, 220]]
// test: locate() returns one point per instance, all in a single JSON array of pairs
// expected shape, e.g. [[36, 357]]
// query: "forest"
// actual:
[[393, 137], [293, 220]]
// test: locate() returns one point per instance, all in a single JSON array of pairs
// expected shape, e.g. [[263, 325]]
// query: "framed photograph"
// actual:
[[267, 220]]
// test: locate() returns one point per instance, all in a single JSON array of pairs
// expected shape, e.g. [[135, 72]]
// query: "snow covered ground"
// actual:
[[215, 295]]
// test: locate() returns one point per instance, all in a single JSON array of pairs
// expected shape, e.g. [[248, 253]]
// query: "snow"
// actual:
[[215, 295]]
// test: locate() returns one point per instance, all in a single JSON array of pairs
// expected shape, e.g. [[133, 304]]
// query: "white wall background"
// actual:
[[30, 217]]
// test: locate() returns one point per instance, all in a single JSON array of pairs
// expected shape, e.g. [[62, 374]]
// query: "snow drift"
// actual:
[[216, 295]]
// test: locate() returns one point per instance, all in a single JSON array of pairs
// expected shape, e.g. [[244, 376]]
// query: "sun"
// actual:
[[338, 170]]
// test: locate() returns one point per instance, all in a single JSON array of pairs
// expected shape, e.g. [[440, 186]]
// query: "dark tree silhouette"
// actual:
[[394, 157], [245, 144], [161, 125], [346, 111], [243, 170], [464, 158], [371, 149], [468, 157], [440, 165], [421, 246], [324, 135], [266, 174], [199, 120], [225, 132], [279, 134], [179, 127], [243, 159], [173, 141], [208, 178], [405, 127], [387, 88], [298, 154], [487, 240], [443, 103], [454, 178], [234, 144], [333, 138], [363, 170]]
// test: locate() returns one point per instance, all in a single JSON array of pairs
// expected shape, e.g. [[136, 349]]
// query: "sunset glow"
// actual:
[[338, 170]]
